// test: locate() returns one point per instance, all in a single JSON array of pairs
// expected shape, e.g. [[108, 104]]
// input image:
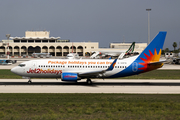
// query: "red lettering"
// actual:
[[39, 71]]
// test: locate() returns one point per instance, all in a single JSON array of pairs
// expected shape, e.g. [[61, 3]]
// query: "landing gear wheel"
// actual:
[[89, 82], [29, 81]]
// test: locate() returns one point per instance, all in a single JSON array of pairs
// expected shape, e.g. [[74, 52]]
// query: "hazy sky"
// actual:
[[102, 21]]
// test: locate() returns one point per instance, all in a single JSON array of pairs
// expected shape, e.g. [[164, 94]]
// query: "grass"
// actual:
[[156, 74], [89, 106], [7, 74]]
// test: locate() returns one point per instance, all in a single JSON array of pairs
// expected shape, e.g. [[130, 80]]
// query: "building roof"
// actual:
[[37, 38]]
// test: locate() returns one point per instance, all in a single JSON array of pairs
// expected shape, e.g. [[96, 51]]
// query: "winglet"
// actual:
[[111, 67]]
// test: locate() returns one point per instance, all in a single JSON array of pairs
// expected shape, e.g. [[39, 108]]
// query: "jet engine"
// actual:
[[69, 77]]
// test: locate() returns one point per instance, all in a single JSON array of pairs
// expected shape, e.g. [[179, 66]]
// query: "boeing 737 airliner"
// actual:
[[77, 69]]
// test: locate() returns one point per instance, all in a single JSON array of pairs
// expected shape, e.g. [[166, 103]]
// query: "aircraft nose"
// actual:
[[14, 70]]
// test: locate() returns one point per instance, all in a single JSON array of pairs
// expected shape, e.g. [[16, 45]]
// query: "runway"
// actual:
[[99, 86]]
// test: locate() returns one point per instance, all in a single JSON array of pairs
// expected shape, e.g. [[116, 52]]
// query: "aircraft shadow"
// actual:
[[94, 84]]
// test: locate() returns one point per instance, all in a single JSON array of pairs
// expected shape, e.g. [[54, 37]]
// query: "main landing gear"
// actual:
[[89, 82]]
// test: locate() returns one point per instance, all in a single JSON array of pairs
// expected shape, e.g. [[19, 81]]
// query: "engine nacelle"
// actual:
[[69, 77]]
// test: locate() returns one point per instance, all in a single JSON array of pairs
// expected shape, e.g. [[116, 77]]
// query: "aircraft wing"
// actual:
[[96, 73]]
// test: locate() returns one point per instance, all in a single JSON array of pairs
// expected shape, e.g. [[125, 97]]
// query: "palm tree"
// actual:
[[174, 45], [166, 50]]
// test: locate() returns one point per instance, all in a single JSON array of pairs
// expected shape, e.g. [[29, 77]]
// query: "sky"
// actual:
[[103, 21]]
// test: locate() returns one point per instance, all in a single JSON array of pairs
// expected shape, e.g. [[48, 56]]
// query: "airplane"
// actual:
[[72, 56], [41, 55], [75, 70], [7, 62], [104, 53]]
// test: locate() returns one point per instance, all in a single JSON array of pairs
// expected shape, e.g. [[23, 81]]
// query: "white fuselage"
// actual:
[[54, 67]]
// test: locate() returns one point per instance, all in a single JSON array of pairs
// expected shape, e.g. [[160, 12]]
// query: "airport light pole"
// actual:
[[148, 25]]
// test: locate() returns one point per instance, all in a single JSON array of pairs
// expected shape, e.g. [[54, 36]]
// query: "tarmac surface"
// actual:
[[99, 86]]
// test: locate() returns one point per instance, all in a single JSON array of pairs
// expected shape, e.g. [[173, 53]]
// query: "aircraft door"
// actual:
[[34, 65], [135, 67]]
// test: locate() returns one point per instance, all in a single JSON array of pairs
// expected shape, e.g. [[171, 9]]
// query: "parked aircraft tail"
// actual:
[[131, 48]]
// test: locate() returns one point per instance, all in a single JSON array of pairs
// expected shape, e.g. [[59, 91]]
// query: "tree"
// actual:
[[166, 50], [174, 45]]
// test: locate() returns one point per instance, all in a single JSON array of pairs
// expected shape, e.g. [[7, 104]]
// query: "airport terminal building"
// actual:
[[40, 42]]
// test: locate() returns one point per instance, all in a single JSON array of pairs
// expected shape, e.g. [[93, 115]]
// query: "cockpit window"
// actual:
[[21, 65]]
